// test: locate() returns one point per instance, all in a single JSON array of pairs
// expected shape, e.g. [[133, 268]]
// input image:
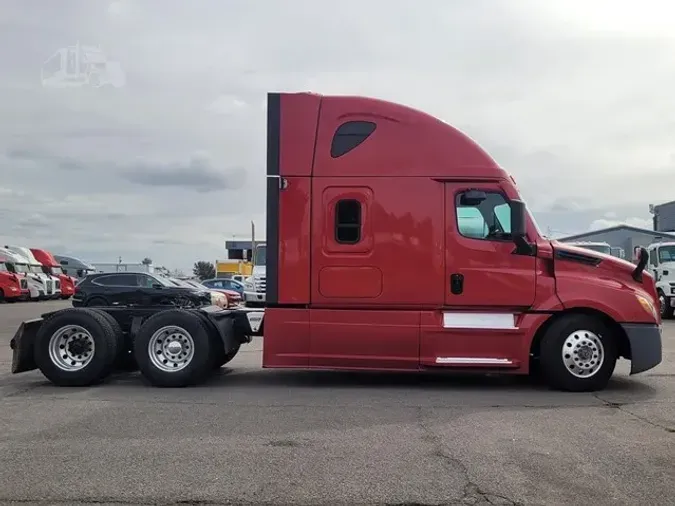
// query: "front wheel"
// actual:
[[664, 304], [578, 354]]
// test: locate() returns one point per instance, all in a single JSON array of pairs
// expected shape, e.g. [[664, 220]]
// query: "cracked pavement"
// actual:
[[254, 436]]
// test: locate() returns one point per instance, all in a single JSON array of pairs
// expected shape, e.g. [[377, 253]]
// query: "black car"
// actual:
[[135, 288]]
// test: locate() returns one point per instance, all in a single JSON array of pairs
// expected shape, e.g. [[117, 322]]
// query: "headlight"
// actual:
[[648, 306], [248, 285]]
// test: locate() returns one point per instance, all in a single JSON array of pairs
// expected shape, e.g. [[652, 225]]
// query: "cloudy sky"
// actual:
[[573, 97]]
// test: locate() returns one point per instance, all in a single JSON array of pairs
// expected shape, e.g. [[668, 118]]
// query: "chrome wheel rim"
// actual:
[[583, 353], [662, 304], [71, 348], [171, 348]]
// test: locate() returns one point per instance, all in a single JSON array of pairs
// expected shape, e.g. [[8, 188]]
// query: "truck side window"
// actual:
[[348, 221], [652, 257], [489, 219], [349, 135]]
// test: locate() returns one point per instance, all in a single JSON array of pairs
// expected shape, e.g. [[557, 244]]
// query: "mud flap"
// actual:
[[22, 346]]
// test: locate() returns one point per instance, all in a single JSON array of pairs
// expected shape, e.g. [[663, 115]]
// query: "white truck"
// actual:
[[51, 285], [255, 286], [662, 266]]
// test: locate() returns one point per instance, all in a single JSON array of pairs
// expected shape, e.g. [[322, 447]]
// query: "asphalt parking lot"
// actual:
[[253, 436]]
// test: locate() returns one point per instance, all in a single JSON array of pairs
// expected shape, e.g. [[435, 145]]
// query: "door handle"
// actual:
[[456, 284]]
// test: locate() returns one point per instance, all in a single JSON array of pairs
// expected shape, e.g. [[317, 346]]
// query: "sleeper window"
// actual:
[[488, 219], [348, 221], [350, 135]]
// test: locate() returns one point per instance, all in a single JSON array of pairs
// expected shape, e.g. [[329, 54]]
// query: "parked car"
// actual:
[[233, 296], [135, 288], [217, 298], [225, 284]]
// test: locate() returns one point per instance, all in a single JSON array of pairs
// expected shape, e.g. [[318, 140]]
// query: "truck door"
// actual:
[[480, 265]]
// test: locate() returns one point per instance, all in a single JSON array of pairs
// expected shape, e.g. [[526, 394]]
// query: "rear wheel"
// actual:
[[125, 360], [75, 347], [173, 349], [578, 354]]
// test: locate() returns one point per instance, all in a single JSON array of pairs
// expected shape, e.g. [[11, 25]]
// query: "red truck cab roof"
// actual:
[[44, 257]]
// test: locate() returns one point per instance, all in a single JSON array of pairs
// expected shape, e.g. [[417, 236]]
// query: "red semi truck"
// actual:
[[13, 286], [52, 267], [356, 188]]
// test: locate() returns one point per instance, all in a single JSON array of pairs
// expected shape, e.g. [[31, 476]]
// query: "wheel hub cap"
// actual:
[[71, 348], [174, 347], [171, 348], [583, 353]]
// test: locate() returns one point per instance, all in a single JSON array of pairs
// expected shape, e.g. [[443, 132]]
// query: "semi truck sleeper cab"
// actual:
[[357, 189]]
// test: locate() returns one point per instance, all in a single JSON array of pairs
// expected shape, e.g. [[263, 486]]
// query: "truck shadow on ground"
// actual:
[[265, 382], [232, 378]]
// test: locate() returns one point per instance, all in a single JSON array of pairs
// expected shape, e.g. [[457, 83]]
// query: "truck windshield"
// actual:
[[260, 256], [20, 268], [667, 254], [3, 267], [37, 269], [56, 271]]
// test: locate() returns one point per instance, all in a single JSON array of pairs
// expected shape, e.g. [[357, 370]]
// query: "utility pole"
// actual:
[[252, 241]]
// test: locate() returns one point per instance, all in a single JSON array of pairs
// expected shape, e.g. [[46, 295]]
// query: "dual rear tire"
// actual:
[[173, 348]]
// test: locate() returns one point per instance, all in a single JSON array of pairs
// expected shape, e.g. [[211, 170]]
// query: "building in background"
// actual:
[[663, 216], [123, 267], [625, 237]]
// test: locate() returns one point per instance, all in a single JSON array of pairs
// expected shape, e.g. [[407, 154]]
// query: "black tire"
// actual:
[[224, 358], [583, 331], [125, 360], [666, 310], [192, 371], [104, 353], [97, 302]]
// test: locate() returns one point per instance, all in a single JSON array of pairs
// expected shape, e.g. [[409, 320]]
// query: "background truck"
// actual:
[[74, 267], [13, 286], [255, 286], [662, 266], [53, 268], [20, 265], [354, 187], [51, 284]]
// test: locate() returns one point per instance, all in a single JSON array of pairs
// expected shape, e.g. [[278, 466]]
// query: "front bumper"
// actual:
[[646, 349], [254, 296]]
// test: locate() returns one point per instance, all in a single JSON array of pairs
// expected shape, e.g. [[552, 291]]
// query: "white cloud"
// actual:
[[568, 99]]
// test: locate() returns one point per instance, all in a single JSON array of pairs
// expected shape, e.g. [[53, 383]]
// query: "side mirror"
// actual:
[[519, 229], [472, 198], [518, 219], [157, 286]]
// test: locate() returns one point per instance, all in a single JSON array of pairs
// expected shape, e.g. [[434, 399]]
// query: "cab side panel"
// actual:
[[394, 255]]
